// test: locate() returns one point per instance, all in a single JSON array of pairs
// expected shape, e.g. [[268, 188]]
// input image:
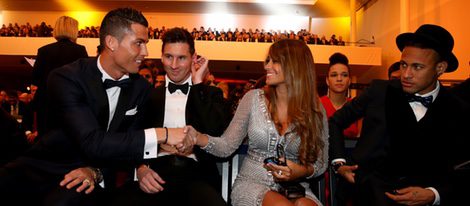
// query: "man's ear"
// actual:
[[111, 42], [441, 67]]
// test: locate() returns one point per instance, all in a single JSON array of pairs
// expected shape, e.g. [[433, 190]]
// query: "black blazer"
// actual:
[[394, 144], [50, 57], [78, 107], [206, 111]]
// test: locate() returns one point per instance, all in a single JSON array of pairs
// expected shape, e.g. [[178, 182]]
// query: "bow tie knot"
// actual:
[[108, 83], [425, 101], [173, 87]]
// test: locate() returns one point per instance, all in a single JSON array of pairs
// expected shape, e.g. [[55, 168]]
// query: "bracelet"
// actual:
[[166, 135]]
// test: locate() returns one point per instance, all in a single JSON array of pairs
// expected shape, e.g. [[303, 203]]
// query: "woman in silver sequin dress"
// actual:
[[288, 112]]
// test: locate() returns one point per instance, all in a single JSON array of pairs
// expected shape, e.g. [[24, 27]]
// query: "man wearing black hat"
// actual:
[[413, 129]]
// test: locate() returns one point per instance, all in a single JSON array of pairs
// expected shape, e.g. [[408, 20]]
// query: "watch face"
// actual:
[[337, 165]]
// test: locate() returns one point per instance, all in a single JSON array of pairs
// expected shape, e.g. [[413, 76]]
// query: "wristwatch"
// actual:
[[336, 166], [97, 175]]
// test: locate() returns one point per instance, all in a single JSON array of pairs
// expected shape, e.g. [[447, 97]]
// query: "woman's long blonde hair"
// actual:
[[304, 108]]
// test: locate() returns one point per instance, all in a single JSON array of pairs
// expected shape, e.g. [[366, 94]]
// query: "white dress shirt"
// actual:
[[175, 109], [151, 143]]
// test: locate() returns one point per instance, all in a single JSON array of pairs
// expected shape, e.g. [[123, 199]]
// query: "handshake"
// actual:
[[181, 139]]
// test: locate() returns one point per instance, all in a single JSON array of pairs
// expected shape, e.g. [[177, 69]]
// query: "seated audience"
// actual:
[[394, 71]]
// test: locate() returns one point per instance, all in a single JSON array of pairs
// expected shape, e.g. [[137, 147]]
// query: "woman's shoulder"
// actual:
[[253, 93]]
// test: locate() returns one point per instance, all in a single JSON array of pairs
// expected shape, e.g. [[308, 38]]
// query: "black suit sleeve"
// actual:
[[349, 113]]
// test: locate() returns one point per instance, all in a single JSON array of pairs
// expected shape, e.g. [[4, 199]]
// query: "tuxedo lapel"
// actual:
[[121, 107], [101, 106]]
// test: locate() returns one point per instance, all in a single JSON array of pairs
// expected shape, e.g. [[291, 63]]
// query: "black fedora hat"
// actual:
[[433, 37]]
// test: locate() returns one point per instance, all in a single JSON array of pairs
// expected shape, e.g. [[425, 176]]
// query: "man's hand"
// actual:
[[149, 181], [199, 69], [84, 176], [412, 196], [31, 136], [348, 172]]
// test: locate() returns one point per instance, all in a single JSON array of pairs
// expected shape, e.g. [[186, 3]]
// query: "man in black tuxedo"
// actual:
[[95, 105], [183, 100], [413, 129]]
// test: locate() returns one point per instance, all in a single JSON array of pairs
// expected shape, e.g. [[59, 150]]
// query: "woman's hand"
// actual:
[[290, 172], [280, 173]]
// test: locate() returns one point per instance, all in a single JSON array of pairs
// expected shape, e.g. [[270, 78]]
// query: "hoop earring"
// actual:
[[348, 94]]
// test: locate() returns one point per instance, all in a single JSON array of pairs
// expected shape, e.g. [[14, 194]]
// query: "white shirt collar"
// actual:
[[106, 75], [432, 93]]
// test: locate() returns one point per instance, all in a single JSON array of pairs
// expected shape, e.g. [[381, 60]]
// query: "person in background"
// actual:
[[159, 80], [147, 74], [96, 107], [3, 97], [394, 71], [338, 80], [210, 80], [414, 130], [286, 119], [49, 57], [32, 133], [260, 82], [222, 85]]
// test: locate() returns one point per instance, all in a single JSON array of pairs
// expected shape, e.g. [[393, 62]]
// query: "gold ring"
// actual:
[[87, 181]]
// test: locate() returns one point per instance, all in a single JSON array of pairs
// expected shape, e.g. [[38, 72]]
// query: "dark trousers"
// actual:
[[369, 189], [184, 186], [28, 186]]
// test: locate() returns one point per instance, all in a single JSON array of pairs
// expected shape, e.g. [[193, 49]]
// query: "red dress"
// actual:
[[351, 131]]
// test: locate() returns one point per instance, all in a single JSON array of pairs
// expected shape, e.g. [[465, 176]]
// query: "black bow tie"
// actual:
[[425, 101], [173, 87], [108, 83]]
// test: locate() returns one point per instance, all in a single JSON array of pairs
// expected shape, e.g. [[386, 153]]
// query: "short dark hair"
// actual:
[[178, 35], [338, 58], [118, 21], [394, 67]]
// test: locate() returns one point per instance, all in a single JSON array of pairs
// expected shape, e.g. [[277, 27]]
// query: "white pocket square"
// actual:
[[131, 111]]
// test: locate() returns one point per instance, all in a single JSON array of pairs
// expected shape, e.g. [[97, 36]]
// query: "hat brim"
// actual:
[[450, 58]]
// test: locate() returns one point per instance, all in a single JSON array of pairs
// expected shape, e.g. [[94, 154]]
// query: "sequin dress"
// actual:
[[253, 119]]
